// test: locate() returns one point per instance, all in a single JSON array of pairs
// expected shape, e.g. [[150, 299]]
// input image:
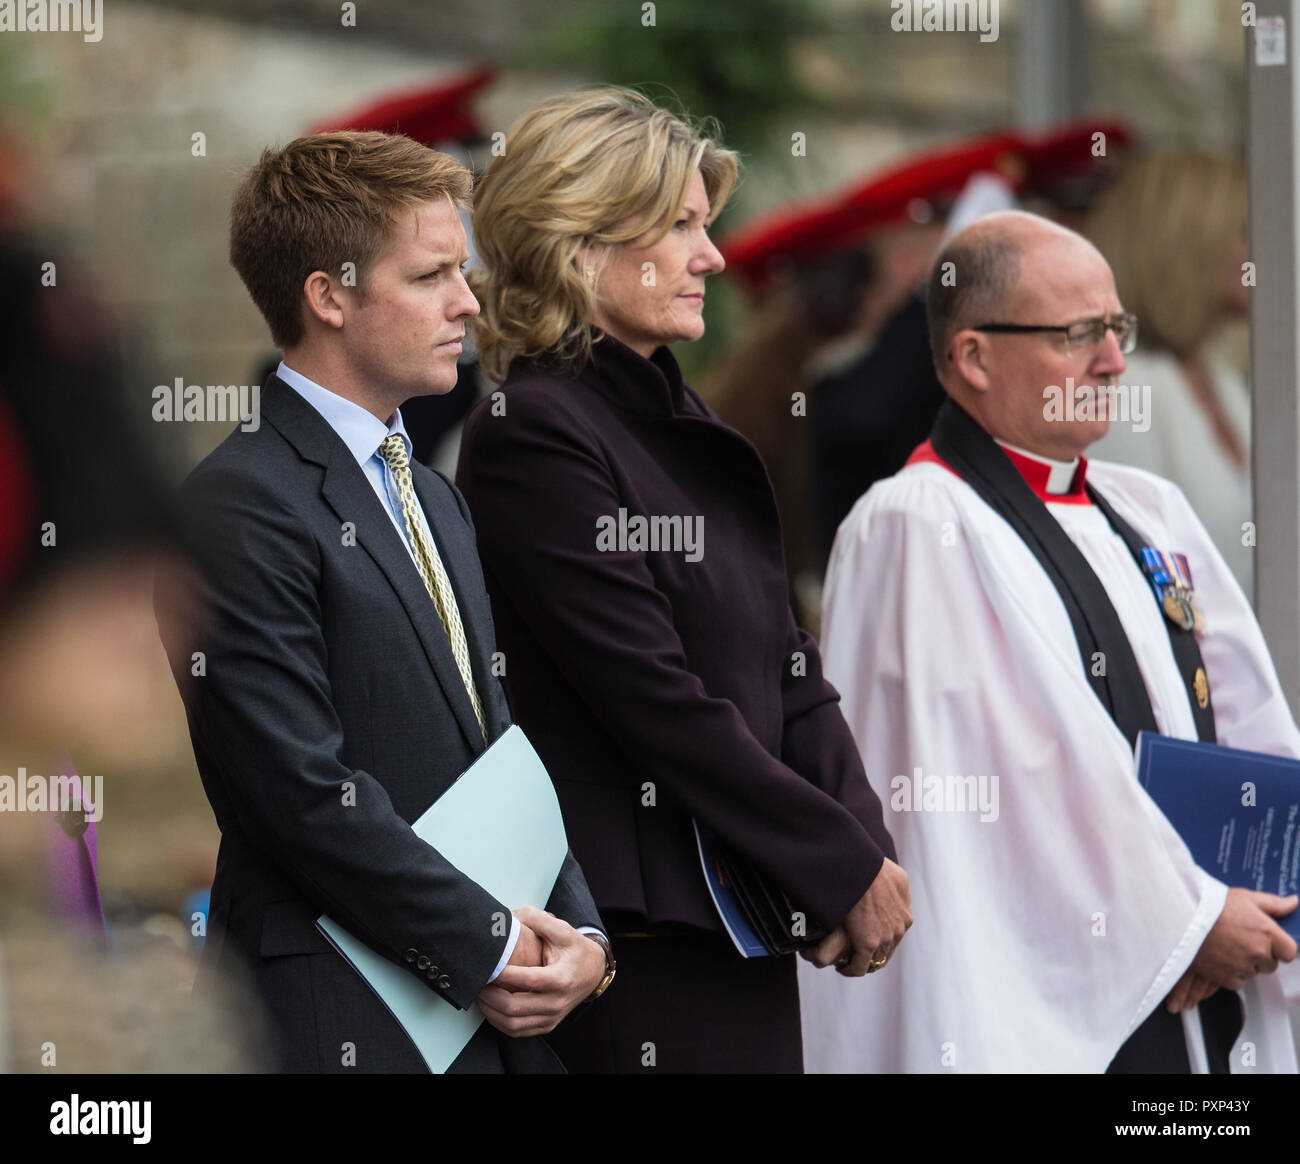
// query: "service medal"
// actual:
[[1178, 608], [1201, 688]]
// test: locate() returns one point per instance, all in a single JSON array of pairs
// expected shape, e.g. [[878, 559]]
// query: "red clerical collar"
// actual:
[[1045, 477]]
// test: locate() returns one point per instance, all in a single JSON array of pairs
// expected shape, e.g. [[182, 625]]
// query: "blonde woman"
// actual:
[[1173, 230], [632, 551]]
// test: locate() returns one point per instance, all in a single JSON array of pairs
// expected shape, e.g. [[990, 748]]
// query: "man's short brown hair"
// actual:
[[326, 200], [984, 267]]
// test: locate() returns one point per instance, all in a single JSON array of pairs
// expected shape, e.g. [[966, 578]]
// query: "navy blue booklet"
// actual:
[[1237, 811]]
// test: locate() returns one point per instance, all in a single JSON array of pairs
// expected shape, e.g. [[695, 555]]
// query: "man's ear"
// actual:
[[969, 355], [323, 299]]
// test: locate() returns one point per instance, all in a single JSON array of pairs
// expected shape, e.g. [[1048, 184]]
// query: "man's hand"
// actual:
[[1246, 941], [531, 1000], [1189, 992], [878, 922], [527, 951]]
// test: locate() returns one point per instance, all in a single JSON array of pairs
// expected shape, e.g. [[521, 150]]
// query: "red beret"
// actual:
[[1030, 162], [429, 114]]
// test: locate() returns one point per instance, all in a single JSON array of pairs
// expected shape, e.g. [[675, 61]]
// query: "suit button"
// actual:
[[424, 962], [412, 954], [444, 983]]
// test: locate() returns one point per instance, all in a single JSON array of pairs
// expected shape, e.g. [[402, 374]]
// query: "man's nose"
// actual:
[[1109, 359], [466, 304]]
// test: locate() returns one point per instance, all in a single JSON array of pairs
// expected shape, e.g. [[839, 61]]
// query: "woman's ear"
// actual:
[[584, 260]]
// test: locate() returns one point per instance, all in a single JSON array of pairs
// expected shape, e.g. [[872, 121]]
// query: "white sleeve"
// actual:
[[1033, 946]]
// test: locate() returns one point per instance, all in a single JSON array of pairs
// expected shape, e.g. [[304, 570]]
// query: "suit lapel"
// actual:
[[348, 493]]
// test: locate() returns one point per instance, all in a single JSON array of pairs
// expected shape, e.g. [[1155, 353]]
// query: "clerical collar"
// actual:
[[1060, 482]]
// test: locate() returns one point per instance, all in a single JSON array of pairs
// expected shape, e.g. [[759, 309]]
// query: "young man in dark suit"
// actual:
[[340, 677]]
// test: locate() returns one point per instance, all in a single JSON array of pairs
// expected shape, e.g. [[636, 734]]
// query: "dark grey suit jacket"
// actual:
[[327, 715]]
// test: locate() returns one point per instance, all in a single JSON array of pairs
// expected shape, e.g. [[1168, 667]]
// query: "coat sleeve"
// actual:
[[817, 742], [262, 717], [537, 485]]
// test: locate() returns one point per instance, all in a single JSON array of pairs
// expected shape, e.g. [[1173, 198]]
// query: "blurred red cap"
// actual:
[[1031, 163], [429, 114]]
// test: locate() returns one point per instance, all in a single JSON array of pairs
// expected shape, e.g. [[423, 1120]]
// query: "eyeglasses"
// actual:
[[1086, 335]]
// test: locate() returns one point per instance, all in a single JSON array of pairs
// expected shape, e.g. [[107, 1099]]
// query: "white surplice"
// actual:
[[1053, 918]]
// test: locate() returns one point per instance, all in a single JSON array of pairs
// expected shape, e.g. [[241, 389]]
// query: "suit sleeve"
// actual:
[[263, 717], [611, 633], [571, 898]]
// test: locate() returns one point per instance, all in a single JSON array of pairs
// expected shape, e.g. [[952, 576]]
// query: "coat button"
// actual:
[[412, 954], [444, 983], [424, 962]]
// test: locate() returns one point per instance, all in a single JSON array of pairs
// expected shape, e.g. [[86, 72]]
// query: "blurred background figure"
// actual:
[[86, 526], [1173, 228], [761, 387], [832, 379]]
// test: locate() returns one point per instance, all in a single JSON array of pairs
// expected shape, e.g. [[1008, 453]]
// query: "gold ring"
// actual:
[[876, 963]]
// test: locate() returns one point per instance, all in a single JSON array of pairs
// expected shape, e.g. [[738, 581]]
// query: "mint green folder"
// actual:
[[500, 825]]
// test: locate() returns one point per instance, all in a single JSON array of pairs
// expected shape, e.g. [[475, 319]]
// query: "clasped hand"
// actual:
[[552, 969], [871, 931], [1243, 942]]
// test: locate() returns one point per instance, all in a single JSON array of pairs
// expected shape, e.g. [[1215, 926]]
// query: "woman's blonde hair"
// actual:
[[581, 174], [1166, 227]]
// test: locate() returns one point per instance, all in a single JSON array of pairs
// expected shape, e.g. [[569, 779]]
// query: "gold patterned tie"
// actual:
[[427, 561]]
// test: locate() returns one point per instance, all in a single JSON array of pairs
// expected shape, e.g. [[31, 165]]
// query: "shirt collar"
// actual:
[[358, 428], [1055, 481]]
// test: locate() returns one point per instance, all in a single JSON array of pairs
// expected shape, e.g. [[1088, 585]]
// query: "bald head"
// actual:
[[981, 273], [1022, 270]]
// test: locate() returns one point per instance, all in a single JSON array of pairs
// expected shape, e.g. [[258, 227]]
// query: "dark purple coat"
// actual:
[[656, 688]]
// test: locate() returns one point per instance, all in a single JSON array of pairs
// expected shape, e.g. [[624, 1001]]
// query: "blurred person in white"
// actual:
[[1172, 228]]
